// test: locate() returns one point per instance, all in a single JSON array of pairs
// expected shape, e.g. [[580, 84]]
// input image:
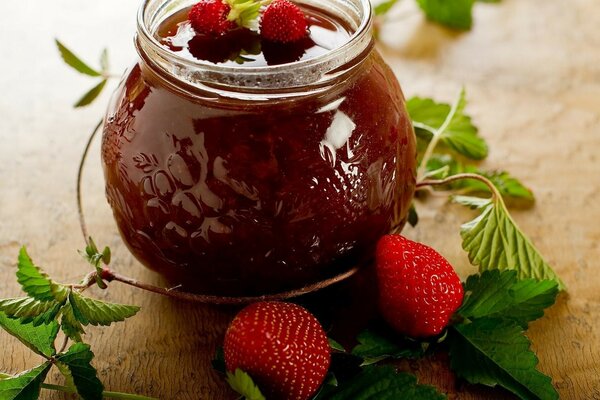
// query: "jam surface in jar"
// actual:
[[237, 196]]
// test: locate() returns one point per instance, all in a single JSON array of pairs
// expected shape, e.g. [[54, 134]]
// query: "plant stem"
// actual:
[[112, 395], [109, 276], [79, 179], [435, 139], [495, 193]]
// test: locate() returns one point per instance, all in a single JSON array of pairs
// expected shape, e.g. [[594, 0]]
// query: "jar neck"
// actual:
[[282, 81]]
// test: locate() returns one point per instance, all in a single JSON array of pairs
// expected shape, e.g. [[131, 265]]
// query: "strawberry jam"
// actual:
[[243, 177]]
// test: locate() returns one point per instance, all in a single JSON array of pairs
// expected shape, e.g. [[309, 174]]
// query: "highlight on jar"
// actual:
[[247, 163]]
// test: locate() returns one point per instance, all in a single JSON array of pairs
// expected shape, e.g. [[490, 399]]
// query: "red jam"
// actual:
[[233, 196]]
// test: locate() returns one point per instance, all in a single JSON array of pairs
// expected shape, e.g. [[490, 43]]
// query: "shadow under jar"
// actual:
[[236, 180]]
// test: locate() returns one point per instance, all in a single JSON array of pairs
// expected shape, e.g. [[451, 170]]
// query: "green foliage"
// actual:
[[243, 384], [509, 187], [91, 95], [75, 62], [26, 385], [30, 310], [455, 14], [384, 6], [494, 241], [335, 345], [79, 65], [374, 347], [40, 338], [448, 124], [70, 325], [83, 376], [36, 282], [245, 13], [382, 383], [493, 352], [501, 295], [89, 311]]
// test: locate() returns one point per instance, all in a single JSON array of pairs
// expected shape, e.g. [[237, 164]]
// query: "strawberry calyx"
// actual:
[[245, 13]]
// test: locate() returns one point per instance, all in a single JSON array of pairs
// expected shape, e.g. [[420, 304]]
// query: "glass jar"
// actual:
[[243, 181]]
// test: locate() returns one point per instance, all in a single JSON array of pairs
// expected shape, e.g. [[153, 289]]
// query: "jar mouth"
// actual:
[[313, 71]]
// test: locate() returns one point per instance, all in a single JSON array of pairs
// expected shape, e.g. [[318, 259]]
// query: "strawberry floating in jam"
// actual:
[[283, 22], [211, 17]]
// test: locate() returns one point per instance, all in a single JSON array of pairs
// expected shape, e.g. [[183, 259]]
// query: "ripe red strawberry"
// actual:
[[210, 17], [418, 289], [281, 346], [283, 22]]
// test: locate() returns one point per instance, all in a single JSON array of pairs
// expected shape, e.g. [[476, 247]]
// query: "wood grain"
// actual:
[[532, 72]]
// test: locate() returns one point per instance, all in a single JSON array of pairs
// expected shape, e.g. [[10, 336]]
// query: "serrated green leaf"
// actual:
[[502, 295], [26, 385], [36, 282], [91, 95], [384, 6], [453, 127], [243, 384], [28, 310], [494, 241], [70, 325], [335, 345], [374, 347], [509, 187], [95, 312], [83, 375], [75, 62], [383, 383], [455, 14], [40, 338], [495, 352]]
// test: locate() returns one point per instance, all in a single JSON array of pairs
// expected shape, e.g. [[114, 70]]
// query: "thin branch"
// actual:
[[82, 224], [219, 300], [441, 182]]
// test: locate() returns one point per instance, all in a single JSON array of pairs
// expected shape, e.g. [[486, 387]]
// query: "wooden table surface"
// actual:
[[532, 72]]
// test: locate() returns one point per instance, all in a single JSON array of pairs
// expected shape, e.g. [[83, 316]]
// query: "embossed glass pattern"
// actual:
[[235, 189]]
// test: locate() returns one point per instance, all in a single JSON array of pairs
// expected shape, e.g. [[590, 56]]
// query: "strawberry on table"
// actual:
[[419, 290], [283, 22], [281, 346]]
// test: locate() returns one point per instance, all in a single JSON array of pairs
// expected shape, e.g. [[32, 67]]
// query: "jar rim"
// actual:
[[315, 70]]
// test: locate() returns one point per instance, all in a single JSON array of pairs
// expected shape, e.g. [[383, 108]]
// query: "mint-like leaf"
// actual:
[[502, 295], [245, 13], [36, 282], [335, 345], [75, 62], [509, 187], [382, 383], [28, 310], [83, 375], [40, 339], [448, 123], [26, 385], [243, 384], [456, 14], [374, 347], [384, 6], [70, 325], [495, 352], [91, 95], [95, 312], [494, 241]]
